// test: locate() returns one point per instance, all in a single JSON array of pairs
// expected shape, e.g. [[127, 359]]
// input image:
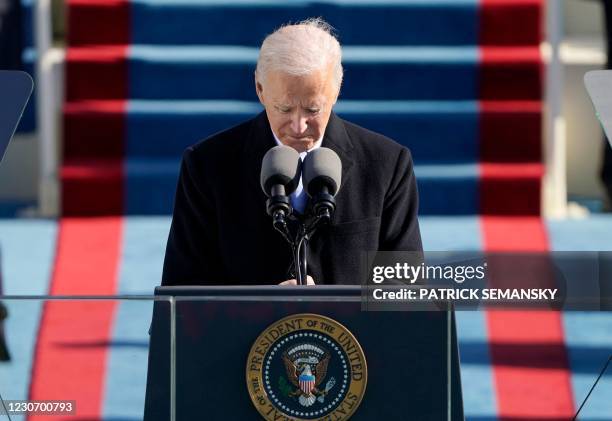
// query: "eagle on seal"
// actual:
[[306, 378]]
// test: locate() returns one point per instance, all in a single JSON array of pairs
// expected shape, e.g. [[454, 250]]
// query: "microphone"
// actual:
[[322, 174], [280, 174]]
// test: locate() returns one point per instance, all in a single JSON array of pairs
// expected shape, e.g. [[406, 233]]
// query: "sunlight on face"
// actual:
[[298, 107]]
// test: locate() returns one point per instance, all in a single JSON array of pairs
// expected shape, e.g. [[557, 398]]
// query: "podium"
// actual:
[[201, 353], [16, 88]]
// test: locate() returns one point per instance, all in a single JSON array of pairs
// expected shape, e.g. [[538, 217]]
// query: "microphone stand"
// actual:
[[300, 258], [299, 242], [305, 231], [279, 207]]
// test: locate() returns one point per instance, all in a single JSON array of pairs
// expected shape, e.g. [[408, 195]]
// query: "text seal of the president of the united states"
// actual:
[[306, 367]]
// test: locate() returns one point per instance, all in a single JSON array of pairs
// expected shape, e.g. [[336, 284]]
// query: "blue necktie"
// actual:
[[299, 197]]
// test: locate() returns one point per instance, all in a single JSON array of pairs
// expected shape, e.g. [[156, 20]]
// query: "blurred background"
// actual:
[[487, 94], [569, 43]]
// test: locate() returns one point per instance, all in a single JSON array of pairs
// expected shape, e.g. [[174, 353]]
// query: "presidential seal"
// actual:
[[306, 367]]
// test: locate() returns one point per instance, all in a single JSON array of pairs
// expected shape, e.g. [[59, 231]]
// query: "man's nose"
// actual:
[[299, 123]]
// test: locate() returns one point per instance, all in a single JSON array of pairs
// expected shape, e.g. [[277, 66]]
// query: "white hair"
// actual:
[[299, 49]]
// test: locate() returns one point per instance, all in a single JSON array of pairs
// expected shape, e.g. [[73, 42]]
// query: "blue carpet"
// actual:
[[431, 22], [140, 271], [28, 249]]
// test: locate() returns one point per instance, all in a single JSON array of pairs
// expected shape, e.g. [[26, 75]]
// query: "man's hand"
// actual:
[[309, 281]]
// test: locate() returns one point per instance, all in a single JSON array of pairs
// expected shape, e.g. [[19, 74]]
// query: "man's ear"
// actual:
[[259, 90], [336, 97]]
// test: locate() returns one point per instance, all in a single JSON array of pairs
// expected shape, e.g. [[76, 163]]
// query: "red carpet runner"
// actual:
[[530, 363], [70, 356]]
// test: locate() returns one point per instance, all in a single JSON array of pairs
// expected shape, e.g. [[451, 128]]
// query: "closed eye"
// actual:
[[282, 109]]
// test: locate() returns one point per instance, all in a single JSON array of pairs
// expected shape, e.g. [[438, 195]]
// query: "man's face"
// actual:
[[298, 107]]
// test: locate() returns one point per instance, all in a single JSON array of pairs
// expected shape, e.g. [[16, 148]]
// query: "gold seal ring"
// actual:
[[306, 367]]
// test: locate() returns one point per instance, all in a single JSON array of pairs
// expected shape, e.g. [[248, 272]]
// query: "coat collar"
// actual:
[[337, 139], [260, 140]]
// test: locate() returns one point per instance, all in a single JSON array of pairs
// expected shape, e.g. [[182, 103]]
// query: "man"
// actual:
[[221, 233]]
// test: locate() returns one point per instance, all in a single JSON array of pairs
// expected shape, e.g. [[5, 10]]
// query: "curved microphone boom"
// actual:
[[322, 175]]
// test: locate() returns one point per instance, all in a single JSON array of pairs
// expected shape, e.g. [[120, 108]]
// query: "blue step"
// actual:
[[150, 186], [247, 22], [448, 189], [444, 189], [226, 72], [370, 73], [358, 22], [434, 131]]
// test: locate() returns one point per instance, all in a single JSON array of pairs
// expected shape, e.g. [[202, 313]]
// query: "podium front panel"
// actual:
[[412, 362]]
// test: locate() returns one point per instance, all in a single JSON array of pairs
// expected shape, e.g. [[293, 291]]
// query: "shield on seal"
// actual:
[[307, 381]]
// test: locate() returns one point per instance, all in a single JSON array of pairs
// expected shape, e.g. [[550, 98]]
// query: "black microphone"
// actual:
[[322, 174], [280, 175]]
